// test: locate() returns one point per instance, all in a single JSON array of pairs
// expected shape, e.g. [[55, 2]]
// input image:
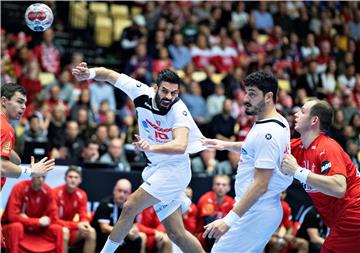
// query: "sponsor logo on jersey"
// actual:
[[157, 128], [243, 151], [138, 85], [325, 167], [185, 113], [268, 136]]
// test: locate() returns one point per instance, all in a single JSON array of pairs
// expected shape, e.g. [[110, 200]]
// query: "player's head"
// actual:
[[121, 192], [37, 182], [261, 90], [13, 99], [221, 185], [167, 89], [314, 114], [72, 177]]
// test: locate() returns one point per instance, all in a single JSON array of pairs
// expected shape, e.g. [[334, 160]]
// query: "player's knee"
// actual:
[[176, 235], [15, 227], [129, 207]]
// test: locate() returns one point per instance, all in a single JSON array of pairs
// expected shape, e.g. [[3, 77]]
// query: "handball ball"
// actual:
[[39, 17]]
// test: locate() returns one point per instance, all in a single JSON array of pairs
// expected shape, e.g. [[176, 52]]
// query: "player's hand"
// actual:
[[289, 165], [84, 228], [141, 144], [216, 229], [44, 221], [81, 72], [213, 143], [42, 167]]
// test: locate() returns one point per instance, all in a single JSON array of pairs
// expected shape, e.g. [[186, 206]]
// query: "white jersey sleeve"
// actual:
[[133, 88]]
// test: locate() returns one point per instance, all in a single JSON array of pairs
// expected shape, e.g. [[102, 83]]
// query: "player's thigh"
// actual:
[[139, 200]]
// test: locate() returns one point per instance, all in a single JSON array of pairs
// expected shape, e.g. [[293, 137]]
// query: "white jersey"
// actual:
[[156, 126], [264, 147]]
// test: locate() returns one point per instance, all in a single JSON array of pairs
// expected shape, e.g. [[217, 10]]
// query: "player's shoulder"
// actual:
[[206, 196], [326, 142], [273, 123], [58, 188]]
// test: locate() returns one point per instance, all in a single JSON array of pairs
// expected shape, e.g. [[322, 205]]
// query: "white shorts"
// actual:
[[251, 233], [167, 182]]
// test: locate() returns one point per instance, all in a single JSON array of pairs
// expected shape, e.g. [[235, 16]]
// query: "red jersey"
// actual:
[[35, 204], [326, 157], [189, 218], [7, 141], [71, 204], [286, 219], [207, 206]]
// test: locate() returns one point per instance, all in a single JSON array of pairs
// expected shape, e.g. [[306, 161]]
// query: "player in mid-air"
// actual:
[[167, 134], [259, 182]]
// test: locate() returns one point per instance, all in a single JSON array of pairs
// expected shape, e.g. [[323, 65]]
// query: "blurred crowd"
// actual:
[[313, 48]]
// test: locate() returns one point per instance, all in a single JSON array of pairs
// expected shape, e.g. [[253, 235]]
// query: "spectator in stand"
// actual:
[[86, 129], [56, 130], [215, 102], [155, 43], [162, 62], [347, 80], [35, 133], [30, 219], [107, 214], [353, 150], [30, 80], [66, 88], [205, 163], [239, 16], [262, 18], [232, 82], [139, 66], [310, 81], [48, 54], [73, 214], [54, 99], [83, 101], [190, 216], [73, 144], [102, 138], [99, 92], [223, 56], [116, 155], [196, 105], [90, 152], [310, 51], [179, 53], [356, 91], [329, 78], [207, 85], [354, 25], [214, 205], [114, 132], [222, 126], [201, 53]]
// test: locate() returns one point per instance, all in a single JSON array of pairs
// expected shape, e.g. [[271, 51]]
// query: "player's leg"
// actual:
[[138, 201], [179, 235]]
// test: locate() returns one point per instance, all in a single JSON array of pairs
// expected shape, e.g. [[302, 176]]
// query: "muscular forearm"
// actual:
[[10, 169], [172, 147], [330, 185], [107, 75], [233, 146], [249, 198], [15, 158]]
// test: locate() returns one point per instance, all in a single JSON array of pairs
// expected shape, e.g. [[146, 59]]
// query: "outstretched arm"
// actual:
[[82, 72], [10, 169], [223, 145]]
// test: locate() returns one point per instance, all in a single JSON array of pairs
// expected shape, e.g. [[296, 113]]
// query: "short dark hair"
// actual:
[[73, 168], [8, 90], [167, 75], [265, 82], [324, 112]]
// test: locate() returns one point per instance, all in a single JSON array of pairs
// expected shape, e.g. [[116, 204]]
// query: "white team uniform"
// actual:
[[264, 148], [167, 175]]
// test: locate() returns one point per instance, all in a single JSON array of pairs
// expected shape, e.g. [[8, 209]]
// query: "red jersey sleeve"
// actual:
[[189, 218]]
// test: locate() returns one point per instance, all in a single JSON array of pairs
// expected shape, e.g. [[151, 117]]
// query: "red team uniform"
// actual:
[[326, 157], [190, 218], [7, 141], [207, 206], [70, 205], [22, 229]]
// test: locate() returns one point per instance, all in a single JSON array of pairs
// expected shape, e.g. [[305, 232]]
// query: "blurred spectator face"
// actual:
[[350, 70], [35, 124], [310, 39], [163, 53], [82, 116], [48, 36], [325, 47], [110, 117], [37, 182], [262, 6], [55, 92], [221, 186], [227, 108], [202, 41], [72, 180], [141, 50], [195, 88], [72, 130], [104, 106], [178, 40], [332, 66], [189, 192], [116, 147], [102, 134], [58, 112], [219, 90], [312, 67], [121, 192], [77, 58], [85, 96], [90, 152], [339, 117], [208, 154], [114, 131], [349, 132], [64, 77], [160, 37]]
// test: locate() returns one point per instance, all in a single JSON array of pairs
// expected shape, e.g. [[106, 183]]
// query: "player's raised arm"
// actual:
[[82, 72]]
